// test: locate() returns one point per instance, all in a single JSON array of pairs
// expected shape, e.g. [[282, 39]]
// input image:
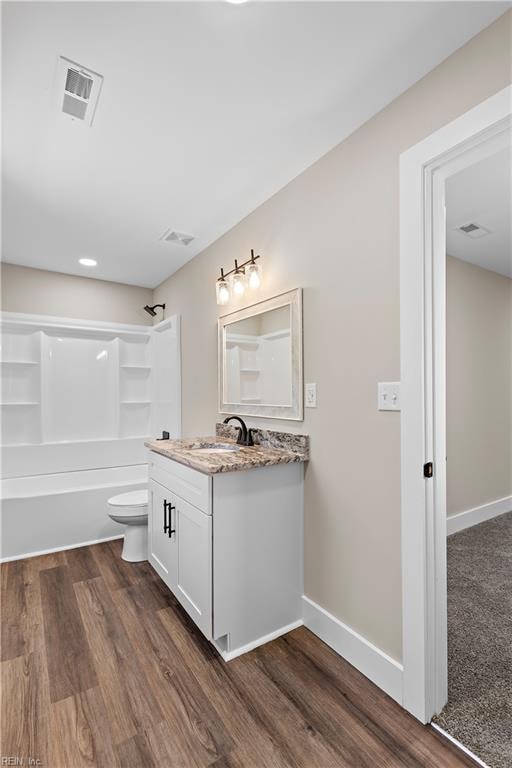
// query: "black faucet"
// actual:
[[244, 434]]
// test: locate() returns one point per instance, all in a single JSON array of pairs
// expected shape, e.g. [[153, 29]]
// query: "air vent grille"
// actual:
[[77, 91], [180, 238], [78, 84], [74, 107], [467, 228], [473, 230]]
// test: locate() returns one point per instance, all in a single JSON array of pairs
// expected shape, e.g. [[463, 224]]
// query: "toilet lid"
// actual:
[[130, 499]]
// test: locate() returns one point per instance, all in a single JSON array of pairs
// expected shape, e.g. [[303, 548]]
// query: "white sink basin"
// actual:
[[217, 449]]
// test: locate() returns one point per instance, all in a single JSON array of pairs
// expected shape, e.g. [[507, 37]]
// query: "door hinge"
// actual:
[[428, 469]]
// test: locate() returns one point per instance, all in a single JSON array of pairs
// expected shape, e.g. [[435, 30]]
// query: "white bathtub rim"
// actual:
[[74, 489], [56, 483]]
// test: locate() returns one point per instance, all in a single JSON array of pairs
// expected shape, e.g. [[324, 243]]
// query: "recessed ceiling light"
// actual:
[[87, 262], [237, 2]]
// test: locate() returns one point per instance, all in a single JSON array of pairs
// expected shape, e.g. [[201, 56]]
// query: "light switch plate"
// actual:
[[310, 395], [389, 396]]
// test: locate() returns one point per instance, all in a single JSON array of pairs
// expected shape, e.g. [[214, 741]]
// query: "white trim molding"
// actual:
[[424, 169], [459, 745], [236, 652], [374, 663], [470, 517]]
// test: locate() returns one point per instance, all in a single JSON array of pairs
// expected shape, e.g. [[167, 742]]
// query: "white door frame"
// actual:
[[423, 172]]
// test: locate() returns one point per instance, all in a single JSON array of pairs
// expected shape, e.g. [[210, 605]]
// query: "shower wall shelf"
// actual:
[[19, 362], [21, 402]]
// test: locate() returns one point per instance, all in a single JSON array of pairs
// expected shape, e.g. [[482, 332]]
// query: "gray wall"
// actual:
[[478, 385], [334, 230], [40, 292]]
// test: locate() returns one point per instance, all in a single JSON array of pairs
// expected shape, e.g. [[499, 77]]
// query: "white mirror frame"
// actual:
[[295, 411]]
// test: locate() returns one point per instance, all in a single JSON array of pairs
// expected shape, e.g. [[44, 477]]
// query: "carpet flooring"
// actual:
[[479, 709]]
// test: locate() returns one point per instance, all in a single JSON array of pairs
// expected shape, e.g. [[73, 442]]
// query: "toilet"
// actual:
[[131, 510]]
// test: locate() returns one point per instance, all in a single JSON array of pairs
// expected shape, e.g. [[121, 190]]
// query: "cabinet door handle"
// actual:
[[168, 508], [166, 524]]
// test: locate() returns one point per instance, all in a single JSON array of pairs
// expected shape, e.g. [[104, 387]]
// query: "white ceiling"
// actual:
[[481, 194], [207, 109]]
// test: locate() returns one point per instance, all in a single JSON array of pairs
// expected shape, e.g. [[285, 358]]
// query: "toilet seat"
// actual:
[[130, 502]]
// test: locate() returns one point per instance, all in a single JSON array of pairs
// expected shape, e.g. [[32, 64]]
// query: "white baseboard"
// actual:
[[461, 520], [58, 549], [376, 665], [229, 655]]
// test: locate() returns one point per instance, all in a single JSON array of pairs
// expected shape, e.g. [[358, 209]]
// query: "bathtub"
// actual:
[[47, 513]]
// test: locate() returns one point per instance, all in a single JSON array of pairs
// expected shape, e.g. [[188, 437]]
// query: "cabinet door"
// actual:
[[161, 538], [194, 563]]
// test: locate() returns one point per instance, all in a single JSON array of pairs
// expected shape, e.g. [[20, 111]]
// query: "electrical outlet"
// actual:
[[389, 396], [310, 395]]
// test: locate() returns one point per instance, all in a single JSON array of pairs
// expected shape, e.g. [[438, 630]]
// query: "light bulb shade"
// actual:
[[222, 289], [239, 282], [254, 275]]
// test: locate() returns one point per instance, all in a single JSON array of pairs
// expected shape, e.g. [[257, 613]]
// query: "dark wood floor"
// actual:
[[101, 667]]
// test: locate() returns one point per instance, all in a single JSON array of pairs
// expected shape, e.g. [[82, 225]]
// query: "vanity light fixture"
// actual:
[[241, 278], [254, 272], [238, 280], [222, 287]]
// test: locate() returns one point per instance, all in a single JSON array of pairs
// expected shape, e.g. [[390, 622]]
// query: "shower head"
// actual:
[[151, 310]]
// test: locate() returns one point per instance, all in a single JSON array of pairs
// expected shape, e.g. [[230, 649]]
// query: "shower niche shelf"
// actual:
[[135, 389], [134, 353], [135, 418], [21, 423], [21, 386], [135, 385]]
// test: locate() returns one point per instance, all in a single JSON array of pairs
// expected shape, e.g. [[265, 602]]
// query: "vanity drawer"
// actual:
[[191, 485]]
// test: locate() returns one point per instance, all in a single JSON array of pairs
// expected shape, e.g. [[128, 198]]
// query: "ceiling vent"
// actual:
[[180, 238], [472, 230], [78, 90]]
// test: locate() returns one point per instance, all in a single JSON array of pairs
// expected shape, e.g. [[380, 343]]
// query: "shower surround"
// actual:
[[78, 400]]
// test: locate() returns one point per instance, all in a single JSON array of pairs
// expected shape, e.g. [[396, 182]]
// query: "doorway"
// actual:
[[479, 457], [424, 171]]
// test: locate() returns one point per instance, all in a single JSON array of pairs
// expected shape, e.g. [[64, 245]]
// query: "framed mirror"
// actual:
[[260, 359]]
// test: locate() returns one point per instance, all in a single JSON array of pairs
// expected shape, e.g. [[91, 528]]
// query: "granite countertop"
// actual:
[[272, 448]]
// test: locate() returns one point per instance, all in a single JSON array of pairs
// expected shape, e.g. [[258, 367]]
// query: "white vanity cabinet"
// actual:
[[230, 548], [180, 537]]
